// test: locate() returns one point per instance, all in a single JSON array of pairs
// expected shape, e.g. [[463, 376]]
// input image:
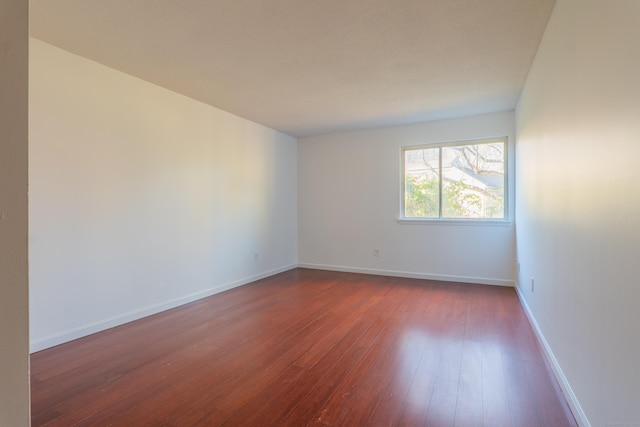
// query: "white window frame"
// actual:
[[466, 221]]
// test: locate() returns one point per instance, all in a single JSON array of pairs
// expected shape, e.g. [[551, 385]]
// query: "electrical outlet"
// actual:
[[518, 267], [256, 257], [376, 251], [533, 287]]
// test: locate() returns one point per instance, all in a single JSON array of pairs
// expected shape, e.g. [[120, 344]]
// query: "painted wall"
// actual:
[[578, 204], [143, 199], [14, 285], [349, 203]]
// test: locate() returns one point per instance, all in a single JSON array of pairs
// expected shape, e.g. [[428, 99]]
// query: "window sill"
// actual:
[[470, 222]]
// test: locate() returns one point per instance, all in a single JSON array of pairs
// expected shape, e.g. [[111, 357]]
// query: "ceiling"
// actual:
[[307, 67]]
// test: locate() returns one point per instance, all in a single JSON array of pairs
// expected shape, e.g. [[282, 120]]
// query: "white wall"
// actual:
[[14, 308], [349, 203], [578, 187], [142, 199]]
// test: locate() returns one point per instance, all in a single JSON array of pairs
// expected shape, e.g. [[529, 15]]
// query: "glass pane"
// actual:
[[473, 181], [421, 183]]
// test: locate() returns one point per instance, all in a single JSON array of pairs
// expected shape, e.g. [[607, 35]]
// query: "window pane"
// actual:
[[473, 181], [421, 183]]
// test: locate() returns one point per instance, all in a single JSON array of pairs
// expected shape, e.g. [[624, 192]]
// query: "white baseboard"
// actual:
[[572, 400], [82, 331], [411, 275]]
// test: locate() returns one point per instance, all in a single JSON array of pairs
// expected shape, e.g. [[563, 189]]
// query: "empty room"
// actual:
[[319, 213]]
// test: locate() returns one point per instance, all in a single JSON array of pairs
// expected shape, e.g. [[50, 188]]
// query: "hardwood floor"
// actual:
[[310, 348]]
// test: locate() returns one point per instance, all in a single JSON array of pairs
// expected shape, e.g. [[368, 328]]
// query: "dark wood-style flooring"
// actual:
[[310, 348]]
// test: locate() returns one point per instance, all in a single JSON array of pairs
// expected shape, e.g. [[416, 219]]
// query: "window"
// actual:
[[460, 180]]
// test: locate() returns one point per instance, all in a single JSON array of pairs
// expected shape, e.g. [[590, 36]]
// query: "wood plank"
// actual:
[[442, 407], [469, 395], [416, 403], [400, 378], [495, 401]]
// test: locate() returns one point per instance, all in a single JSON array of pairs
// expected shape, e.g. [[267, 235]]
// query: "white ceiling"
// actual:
[[306, 67]]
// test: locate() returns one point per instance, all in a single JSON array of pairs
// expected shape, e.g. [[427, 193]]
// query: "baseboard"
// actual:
[[572, 400], [82, 331], [411, 275]]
